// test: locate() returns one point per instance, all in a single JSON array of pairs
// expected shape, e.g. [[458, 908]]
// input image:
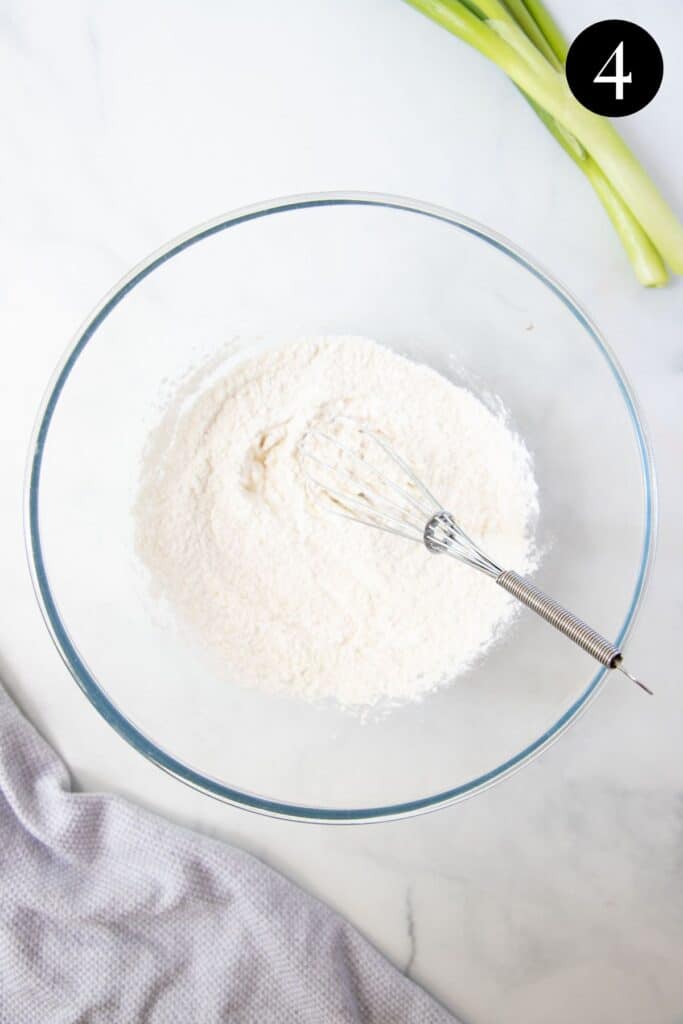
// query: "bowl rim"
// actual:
[[68, 651]]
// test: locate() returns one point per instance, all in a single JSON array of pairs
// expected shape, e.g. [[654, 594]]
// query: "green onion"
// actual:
[[521, 37], [520, 12], [547, 26]]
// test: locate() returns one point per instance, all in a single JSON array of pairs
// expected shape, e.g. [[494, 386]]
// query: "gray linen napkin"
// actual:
[[108, 913]]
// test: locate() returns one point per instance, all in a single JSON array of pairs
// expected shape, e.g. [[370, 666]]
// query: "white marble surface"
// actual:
[[556, 895]]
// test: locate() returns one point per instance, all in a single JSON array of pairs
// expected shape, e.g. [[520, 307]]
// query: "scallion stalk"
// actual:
[[520, 12], [523, 40], [645, 260]]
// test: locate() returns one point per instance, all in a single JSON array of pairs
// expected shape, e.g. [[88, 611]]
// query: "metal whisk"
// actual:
[[345, 480]]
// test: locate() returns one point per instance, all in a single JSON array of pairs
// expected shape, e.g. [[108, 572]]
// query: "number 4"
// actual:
[[618, 79]]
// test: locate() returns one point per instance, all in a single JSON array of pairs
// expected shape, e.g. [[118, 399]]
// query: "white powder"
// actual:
[[292, 599]]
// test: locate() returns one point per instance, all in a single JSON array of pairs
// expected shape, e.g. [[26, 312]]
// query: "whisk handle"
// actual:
[[573, 627]]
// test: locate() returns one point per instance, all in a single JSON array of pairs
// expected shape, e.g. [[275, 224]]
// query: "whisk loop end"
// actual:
[[442, 535], [395, 500], [633, 679]]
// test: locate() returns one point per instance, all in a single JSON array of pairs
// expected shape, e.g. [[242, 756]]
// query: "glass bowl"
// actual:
[[442, 290]]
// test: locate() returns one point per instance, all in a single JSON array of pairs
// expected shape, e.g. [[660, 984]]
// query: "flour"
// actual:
[[291, 599]]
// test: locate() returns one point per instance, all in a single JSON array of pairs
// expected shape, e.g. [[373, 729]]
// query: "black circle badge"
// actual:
[[614, 68]]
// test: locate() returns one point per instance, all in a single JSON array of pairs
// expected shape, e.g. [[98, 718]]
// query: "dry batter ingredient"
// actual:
[[295, 600]]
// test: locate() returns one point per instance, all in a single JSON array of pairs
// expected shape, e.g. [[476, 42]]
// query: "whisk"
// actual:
[[349, 485]]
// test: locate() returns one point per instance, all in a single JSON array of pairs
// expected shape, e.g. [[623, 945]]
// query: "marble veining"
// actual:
[[410, 931]]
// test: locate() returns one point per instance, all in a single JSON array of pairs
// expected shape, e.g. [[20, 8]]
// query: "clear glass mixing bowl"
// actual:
[[442, 290]]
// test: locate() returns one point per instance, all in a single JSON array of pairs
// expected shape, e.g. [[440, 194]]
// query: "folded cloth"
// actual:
[[108, 914]]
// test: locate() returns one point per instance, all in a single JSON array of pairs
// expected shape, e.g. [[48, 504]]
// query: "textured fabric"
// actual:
[[108, 913]]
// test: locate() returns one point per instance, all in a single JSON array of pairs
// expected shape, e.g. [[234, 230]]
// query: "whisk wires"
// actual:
[[346, 484], [350, 485]]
